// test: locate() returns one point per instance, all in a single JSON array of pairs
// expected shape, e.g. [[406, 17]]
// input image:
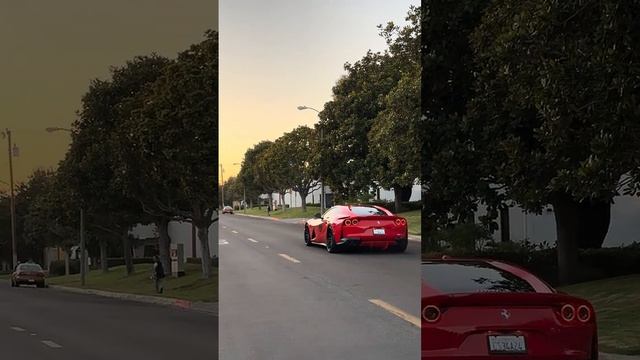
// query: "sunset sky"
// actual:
[[50, 50], [276, 55]]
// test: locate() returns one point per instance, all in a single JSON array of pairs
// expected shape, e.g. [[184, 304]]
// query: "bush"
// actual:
[[198, 261], [56, 267], [112, 262], [542, 260]]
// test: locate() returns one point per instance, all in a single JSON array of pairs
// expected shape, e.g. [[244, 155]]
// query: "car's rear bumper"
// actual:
[[369, 242], [429, 355]]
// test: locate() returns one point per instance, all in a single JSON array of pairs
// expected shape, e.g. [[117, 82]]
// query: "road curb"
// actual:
[[605, 356], [209, 308], [415, 238]]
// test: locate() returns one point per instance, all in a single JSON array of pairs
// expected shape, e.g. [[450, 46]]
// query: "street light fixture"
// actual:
[[83, 246], [322, 194]]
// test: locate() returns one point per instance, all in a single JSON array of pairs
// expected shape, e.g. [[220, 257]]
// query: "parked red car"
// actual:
[[29, 274], [346, 226], [483, 309]]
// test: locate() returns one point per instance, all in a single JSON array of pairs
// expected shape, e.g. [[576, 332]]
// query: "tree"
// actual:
[[450, 194], [253, 173], [89, 166], [300, 145], [555, 116], [171, 142]]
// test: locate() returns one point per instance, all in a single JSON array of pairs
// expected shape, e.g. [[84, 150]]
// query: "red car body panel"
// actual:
[[467, 320], [363, 232]]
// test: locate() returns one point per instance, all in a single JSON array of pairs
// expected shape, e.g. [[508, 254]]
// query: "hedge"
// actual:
[[595, 264]]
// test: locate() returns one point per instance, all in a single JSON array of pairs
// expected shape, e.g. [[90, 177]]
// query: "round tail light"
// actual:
[[398, 222], [403, 221], [431, 313], [584, 313], [347, 222], [354, 222], [568, 312]]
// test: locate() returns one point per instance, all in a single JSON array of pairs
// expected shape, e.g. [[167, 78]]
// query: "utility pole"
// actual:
[[14, 245], [322, 194], [83, 258]]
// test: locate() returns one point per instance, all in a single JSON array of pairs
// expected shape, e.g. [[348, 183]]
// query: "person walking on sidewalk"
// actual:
[[158, 274]]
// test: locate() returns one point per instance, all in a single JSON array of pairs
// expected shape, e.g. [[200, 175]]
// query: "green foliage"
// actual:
[[462, 237]]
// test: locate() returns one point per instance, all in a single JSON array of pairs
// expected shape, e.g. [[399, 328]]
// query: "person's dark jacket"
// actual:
[[159, 270]]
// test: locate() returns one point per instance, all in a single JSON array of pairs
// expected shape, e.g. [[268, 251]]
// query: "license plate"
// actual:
[[31, 280], [378, 231], [507, 344]]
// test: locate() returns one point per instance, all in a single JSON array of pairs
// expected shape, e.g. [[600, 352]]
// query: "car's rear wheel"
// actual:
[[40, 285], [307, 236], [331, 243], [17, 284], [400, 246]]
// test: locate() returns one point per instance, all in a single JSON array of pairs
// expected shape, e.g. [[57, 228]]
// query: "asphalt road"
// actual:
[[280, 299], [51, 324]]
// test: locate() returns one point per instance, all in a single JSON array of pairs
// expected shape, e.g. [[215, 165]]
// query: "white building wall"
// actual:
[[293, 199], [623, 230]]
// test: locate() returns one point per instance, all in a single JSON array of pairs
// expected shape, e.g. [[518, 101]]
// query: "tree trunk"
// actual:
[[567, 214], [66, 261], [164, 243], [505, 227], [205, 254], [128, 258], [303, 202], [401, 194], [103, 256], [595, 220]]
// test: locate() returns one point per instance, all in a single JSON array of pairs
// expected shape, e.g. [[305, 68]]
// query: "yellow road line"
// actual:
[[415, 321]]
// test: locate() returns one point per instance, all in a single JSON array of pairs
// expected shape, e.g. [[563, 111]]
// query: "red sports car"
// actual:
[[483, 309], [346, 226]]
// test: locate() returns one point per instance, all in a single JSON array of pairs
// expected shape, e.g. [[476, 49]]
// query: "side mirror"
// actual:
[[317, 216]]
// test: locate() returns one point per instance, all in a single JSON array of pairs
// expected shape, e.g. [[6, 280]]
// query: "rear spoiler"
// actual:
[[503, 299]]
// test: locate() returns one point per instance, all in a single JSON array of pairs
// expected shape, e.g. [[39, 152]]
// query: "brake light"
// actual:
[[403, 221], [584, 313], [347, 222], [354, 222], [398, 222], [431, 313], [568, 312]]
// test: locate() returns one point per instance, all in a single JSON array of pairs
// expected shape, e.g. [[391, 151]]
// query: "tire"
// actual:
[[401, 246], [40, 285], [307, 236], [13, 284], [332, 248], [17, 284]]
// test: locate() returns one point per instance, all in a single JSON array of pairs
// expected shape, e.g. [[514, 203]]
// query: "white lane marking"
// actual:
[[292, 259], [397, 312], [18, 329], [51, 344], [233, 231], [266, 247], [252, 240], [33, 334], [224, 227], [223, 242]]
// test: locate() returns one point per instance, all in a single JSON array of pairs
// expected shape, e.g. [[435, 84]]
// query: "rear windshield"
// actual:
[[471, 277], [366, 211], [29, 267]]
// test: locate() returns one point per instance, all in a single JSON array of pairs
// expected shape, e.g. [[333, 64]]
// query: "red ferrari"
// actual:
[[483, 309], [346, 226]]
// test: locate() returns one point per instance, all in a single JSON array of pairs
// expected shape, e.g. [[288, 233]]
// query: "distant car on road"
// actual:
[[227, 210], [345, 226], [29, 274], [484, 309]]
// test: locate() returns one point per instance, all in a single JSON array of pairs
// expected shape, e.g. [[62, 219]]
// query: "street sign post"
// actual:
[[177, 260]]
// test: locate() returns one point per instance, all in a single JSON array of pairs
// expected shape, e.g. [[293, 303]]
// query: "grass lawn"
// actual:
[[291, 213], [617, 303], [189, 287], [413, 217]]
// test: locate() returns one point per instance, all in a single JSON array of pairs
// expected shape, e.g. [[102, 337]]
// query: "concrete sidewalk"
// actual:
[[208, 308], [416, 238]]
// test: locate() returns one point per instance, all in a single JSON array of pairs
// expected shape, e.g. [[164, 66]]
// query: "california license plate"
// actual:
[[507, 344], [378, 231], [31, 280]]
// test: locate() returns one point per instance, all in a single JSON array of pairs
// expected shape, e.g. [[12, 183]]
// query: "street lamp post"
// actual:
[[83, 245], [322, 194], [13, 151]]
